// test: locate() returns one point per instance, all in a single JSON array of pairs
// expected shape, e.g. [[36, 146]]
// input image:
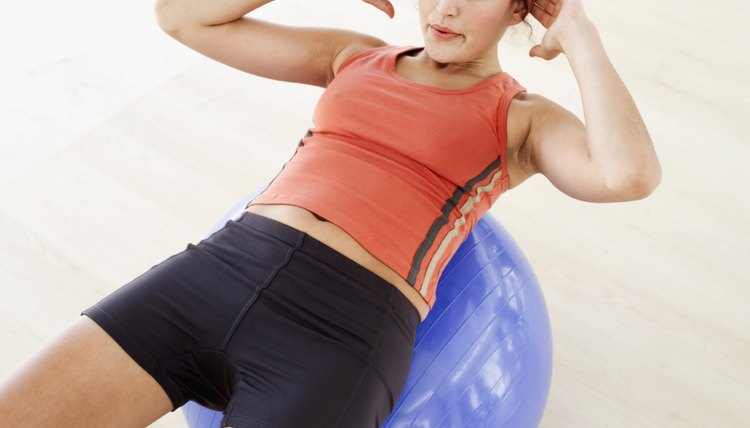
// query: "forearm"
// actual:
[[617, 137], [201, 12]]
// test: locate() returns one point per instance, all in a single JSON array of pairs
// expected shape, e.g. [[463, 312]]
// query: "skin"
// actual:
[[81, 379], [85, 379], [480, 27]]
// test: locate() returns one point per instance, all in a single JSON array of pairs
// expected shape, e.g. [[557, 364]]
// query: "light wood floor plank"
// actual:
[[118, 146]]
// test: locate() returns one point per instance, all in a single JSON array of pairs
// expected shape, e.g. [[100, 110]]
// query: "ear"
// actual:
[[520, 10]]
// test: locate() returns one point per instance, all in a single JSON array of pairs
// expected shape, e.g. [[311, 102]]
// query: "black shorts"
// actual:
[[270, 325]]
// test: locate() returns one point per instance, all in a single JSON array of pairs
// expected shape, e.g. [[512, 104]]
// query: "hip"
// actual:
[[337, 239]]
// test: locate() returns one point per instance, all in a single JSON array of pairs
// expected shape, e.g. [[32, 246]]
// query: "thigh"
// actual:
[[382, 383], [307, 379], [319, 350], [173, 319], [82, 378]]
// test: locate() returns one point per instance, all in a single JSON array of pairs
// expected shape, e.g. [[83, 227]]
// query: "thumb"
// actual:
[[541, 52], [536, 51]]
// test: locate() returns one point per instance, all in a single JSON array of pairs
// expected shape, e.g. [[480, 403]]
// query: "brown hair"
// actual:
[[529, 6]]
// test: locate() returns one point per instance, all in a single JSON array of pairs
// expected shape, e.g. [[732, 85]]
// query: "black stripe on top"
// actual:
[[441, 221], [299, 144]]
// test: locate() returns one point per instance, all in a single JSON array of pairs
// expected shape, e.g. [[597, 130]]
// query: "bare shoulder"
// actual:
[[356, 43], [533, 122]]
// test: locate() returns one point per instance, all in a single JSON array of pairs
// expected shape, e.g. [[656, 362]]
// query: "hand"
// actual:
[[561, 18], [383, 5]]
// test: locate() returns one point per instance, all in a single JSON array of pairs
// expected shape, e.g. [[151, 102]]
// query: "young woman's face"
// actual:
[[464, 30]]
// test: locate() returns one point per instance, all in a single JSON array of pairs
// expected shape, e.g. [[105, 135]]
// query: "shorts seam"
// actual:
[[368, 365], [254, 298], [219, 265]]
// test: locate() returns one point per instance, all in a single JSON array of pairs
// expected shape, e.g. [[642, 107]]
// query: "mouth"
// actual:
[[443, 33]]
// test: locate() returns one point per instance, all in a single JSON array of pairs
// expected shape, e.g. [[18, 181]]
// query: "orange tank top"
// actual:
[[406, 169]]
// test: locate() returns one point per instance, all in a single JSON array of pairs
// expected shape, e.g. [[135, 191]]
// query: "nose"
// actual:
[[447, 7]]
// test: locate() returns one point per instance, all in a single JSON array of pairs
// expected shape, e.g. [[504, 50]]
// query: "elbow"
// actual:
[[650, 178], [163, 20], [646, 186], [637, 186], [167, 17]]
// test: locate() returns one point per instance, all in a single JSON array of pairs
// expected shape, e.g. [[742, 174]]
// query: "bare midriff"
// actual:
[[336, 238]]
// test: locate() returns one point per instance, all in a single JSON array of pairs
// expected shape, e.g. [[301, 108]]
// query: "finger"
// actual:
[[544, 6], [383, 5], [545, 9], [540, 11], [537, 11]]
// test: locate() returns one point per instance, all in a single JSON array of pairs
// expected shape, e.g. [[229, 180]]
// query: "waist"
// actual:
[[336, 238]]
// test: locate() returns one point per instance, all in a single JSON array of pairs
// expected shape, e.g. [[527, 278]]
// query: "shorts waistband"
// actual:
[[330, 256]]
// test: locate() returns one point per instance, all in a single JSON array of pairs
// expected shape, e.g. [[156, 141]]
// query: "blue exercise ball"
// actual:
[[483, 355]]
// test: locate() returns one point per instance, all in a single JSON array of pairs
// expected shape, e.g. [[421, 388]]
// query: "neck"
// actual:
[[482, 67]]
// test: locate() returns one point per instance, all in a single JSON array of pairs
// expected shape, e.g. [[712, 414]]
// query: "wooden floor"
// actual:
[[118, 146]]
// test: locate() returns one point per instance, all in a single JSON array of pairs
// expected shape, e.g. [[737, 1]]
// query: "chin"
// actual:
[[442, 54]]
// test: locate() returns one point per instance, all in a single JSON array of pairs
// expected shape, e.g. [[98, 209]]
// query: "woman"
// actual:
[[303, 311]]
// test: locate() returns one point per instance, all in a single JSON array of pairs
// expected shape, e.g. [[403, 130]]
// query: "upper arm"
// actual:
[[558, 149], [274, 51]]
